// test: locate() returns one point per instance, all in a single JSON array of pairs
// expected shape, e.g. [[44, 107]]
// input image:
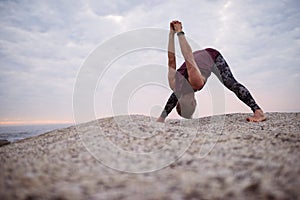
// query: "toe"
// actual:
[[250, 119]]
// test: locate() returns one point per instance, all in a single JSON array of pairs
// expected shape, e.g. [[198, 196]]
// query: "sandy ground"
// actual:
[[133, 157]]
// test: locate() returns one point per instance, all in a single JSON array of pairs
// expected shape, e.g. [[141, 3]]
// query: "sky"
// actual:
[[45, 44]]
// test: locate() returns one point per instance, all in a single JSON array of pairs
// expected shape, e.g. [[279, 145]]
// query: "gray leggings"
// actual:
[[222, 71]]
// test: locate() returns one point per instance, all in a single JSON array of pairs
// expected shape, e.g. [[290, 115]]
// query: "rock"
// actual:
[[4, 142], [133, 157]]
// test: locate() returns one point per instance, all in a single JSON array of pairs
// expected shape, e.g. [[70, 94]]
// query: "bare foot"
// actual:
[[160, 119], [257, 117]]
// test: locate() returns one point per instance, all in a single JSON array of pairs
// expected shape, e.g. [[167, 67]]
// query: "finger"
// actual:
[[171, 26]]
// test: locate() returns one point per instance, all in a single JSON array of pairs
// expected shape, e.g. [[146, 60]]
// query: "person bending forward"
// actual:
[[193, 74]]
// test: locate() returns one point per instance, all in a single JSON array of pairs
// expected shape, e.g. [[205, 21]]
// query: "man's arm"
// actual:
[[195, 77], [171, 58], [171, 103]]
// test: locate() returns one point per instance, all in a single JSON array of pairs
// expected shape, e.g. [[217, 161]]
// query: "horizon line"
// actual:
[[35, 122]]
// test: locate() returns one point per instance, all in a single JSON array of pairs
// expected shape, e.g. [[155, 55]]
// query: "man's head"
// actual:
[[186, 105]]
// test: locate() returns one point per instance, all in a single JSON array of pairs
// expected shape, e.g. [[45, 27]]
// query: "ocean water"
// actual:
[[15, 133]]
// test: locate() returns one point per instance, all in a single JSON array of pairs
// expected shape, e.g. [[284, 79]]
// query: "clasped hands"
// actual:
[[175, 26]]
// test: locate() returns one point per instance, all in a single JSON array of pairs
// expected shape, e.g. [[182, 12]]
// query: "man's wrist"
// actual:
[[180, 33]]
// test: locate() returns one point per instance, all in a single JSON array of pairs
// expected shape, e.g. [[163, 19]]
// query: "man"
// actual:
[[193, 74]]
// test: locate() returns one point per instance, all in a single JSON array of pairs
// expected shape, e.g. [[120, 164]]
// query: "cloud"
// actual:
[[262, 41], [266, 32], [44, 43]]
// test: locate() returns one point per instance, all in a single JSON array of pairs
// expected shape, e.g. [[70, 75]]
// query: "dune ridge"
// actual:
[[224, 157]]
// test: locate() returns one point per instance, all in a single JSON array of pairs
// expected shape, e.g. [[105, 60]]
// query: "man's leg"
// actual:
[[223, 72]]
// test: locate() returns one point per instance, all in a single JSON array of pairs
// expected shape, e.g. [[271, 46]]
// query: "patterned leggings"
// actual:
[[222, 71]]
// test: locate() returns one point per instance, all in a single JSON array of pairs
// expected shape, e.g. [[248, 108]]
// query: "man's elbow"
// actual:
[[172, 64], [198, 85]]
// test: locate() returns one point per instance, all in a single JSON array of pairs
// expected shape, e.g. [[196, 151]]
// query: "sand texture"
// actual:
[[134, 157]]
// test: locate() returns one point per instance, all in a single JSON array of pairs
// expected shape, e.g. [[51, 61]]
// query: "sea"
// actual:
[[19, 132]]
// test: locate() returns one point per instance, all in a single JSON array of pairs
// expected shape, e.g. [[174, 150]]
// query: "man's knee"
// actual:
[[231, 85]]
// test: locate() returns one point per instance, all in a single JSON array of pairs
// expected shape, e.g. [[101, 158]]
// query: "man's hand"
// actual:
[[177, 26], [172, 30]]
